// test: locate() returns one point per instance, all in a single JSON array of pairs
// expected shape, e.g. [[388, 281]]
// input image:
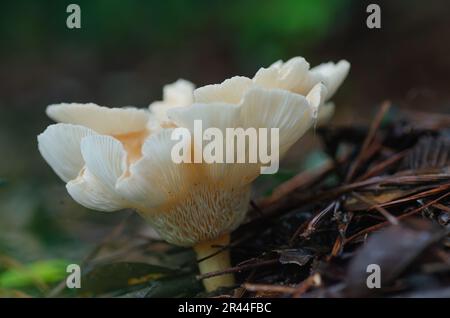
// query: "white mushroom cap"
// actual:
[[104, 120], [177, 94], [113, 158]]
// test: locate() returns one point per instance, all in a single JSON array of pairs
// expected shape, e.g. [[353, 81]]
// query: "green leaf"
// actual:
[[49, 271]]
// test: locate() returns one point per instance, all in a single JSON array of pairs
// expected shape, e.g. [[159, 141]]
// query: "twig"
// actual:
[[295, 291], [312, 224], [222, 248], [383, 165], [256, 207], [392, 219], [236, 269], [378, 181], [303, 287], [442, 207], [416, 196], [303, 179], [241, 291], [339, 243], [368, 141], [269, 288], [381, 225]]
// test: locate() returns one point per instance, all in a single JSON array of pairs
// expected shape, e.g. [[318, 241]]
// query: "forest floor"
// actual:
[[374, 221]]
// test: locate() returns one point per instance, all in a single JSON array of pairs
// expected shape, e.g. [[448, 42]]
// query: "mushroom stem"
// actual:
[[216, 262]]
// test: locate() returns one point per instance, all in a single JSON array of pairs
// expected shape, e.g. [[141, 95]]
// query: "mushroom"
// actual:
[[113, 158], [177, 94]]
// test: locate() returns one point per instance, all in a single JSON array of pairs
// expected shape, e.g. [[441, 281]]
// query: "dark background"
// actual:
[[127, 50]]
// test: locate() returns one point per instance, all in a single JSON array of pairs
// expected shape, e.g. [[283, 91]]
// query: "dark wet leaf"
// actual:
[[120, 276], [393, 250], [433, 293], [173, 286], [379, 197], [297, 256]]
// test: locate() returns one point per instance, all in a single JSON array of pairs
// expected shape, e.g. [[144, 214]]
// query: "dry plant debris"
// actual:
[[389, 204]]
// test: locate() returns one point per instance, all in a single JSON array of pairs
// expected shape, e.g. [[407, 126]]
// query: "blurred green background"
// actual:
[[127, 50]]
